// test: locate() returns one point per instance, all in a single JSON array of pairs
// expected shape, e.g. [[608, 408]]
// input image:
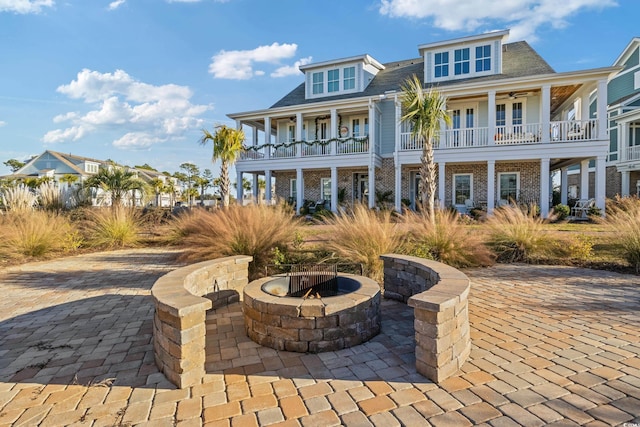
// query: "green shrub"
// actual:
[[255, 230], [362, 235], [446, 239], [117, 226], [33, 234], [561, 211]]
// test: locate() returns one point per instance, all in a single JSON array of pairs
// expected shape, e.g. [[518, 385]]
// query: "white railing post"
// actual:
[[267, 136], [491, 117], [545, 114], [334, 131], [601, 109]]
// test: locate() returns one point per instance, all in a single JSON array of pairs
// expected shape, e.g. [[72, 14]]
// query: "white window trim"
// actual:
[[293, 187], [508, 106], [344, 79], [453, 189], [517, 182], [322, 182], [358, 76], [472, 62]]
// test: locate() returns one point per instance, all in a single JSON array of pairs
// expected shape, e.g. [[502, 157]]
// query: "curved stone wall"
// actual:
[[179, 331], [438, 294]]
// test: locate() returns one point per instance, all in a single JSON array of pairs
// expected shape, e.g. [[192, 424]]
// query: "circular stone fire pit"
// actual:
[[326, 322]]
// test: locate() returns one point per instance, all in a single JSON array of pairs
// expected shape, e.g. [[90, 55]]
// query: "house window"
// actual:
[[318, 83], [355, 126], [366, 126], [483, 58], [461, 61], [573, 192], [333, 81], [293, 189], [501, 115], [441, 64], [349, 78], [325, 188], [516, 113], [291, 133], [509, 186], [462, 188]]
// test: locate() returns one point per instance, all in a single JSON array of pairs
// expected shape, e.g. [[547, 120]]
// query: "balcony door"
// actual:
[[361, 188], [509, 118], [463, 122]]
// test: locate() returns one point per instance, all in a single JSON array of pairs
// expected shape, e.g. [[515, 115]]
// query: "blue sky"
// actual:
[[135, 81]]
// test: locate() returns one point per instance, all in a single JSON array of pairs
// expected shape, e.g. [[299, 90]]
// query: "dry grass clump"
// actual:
[[623, 217], [19, 198], [446, 240], [117, 226], [516, 234], [255, 230], [35, 234], [52, 197], [362, 235]]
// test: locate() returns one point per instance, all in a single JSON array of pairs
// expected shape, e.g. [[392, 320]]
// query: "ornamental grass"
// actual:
[[19, 199], [114, 227], [361, 235], [259, 231], [35, 234], [446, 239], [623, 218], [516, 234]]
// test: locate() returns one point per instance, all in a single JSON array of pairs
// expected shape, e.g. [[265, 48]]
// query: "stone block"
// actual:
[[326, 322], [297, 346], [284, 334], [312, 308], [271, 319], [434, 345], [322, 346], [311, 334], [298, 322], [434, 359], [252, 313]]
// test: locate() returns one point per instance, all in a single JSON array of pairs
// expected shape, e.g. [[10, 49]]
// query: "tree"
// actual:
[[69, 179], [117, 182], [424, 110], [157, 184], [203, 183], [227, 146], [190, 172], [14, 164], [146, 167]]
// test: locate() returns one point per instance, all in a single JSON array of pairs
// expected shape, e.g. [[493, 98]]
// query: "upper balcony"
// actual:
[[324, 147], [530, 133]]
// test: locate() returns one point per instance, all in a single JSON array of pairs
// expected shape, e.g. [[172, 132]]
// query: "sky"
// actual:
[[136, 81]]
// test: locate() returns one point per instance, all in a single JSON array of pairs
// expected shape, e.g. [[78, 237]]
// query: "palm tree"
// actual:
[[117, 182], [424, 110], [227, 146], [157, 184]]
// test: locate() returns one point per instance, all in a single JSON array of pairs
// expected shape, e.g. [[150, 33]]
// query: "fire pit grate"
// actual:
[[309, 280]]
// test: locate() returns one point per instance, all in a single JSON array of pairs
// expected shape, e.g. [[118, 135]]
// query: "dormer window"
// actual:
[[349, 78], [483, 58], [461, 61], [442, 64], [318, 83], [333, 80]]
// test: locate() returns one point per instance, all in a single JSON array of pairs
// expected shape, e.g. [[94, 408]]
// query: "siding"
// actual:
[[619, 87], [388, 131]]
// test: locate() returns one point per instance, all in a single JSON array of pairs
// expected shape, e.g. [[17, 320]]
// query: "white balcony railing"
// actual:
[[322, 149], [343, 146], [518, 134], [453, 138], [352, 146], [631, 154]]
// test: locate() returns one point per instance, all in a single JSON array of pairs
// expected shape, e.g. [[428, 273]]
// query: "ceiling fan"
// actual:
[[514, 95]]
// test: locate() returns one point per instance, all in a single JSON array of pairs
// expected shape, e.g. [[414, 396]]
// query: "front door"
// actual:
[[361, 188], [462, 123]]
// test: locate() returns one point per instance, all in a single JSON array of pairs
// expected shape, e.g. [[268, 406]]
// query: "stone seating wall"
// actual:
[[438, 294], [179, 330]]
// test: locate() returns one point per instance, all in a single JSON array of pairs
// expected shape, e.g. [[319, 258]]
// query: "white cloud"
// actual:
[[116, 4], [143, 114], [194, 1], [239, 64], [2, 123], [24, 6], [524, 17], [291, 70]]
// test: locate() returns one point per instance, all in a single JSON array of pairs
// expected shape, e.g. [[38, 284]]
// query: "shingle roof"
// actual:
[[518, 60]]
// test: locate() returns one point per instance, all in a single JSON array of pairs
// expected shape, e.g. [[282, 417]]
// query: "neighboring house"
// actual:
[[624, 123], [56, 165], [514, 122]]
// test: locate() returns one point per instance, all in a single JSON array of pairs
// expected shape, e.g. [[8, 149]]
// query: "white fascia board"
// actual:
[[627, 51], [465, 40], [629, 116], [358, 102], [366, 58]]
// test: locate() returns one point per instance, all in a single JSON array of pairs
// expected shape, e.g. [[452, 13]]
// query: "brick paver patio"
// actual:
[[551, 346]]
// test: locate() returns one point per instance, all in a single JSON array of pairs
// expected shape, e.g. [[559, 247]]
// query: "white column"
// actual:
[[256, 190], [373, 137], [397, 189], [372, 186], [545, 114], [622, 142], [584, 179], [298, 147], [254, 138], [239, 189], [601, 109], [333, 133], [544, 188], [491, 186], [267, 188], [299, 189], [564, 185], [267, 136], [626, 183], [398, 123], [491, 117], [584, 106], [441, 181], [601, 181], [334, 189]]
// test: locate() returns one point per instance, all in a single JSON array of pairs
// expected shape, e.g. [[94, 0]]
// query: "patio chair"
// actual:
[[316, 206], [581, 209]]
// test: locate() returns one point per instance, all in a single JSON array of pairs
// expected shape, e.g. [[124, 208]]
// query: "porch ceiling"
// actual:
[[559, 94]]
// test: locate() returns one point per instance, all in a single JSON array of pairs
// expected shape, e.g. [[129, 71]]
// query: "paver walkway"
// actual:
[[551, 346]]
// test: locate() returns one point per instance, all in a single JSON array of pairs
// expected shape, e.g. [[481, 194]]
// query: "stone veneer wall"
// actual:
[[438, 293], [179, 331]]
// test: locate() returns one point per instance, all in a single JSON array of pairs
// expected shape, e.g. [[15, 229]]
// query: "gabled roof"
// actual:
[[518, 60], [628, 51]]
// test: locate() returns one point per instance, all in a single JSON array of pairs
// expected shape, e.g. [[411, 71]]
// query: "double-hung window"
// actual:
[[509, 183], [333, 80], [441, 64], [483, 58], [462, 188], [318, 83], [349, 75], [461, 61], [325, 188]]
